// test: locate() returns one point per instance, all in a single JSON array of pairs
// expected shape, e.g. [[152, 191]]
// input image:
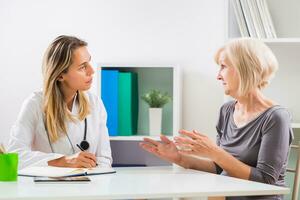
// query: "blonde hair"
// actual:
[[255, 63], [57, 60]]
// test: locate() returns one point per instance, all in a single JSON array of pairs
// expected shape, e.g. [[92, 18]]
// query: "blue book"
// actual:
[[109, 95]]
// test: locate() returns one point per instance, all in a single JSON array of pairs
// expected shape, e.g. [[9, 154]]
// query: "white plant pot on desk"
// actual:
[[155, 117]]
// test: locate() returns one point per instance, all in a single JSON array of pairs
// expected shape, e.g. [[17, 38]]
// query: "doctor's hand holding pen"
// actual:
[[81, 159]]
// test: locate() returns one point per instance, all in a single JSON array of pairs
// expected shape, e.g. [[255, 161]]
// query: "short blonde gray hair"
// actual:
[[255, 62]]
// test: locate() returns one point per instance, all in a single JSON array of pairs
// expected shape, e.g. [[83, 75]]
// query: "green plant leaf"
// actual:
[[156, 99]]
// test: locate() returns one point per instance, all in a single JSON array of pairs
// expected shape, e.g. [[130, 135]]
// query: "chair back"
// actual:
[[296, 171]]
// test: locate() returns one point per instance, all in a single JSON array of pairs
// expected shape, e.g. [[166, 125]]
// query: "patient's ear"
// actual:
[[60, 78]]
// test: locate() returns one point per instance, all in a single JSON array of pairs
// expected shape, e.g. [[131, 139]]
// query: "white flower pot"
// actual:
[[155, 116]]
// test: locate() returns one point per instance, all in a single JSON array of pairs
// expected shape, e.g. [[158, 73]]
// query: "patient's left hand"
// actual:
[[195, 143]]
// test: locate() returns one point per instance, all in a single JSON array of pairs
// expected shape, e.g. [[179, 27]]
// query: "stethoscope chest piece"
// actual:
[[84, 145]]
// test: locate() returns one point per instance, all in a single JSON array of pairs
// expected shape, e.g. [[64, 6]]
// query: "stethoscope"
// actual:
[[84, 144]]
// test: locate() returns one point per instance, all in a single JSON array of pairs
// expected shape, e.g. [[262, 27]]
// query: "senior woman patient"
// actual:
[[253, 131]]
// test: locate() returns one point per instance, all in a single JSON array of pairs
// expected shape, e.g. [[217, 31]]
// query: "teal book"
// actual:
[[127, 104]]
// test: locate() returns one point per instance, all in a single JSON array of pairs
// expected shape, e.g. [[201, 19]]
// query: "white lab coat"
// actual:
[[29, 138]]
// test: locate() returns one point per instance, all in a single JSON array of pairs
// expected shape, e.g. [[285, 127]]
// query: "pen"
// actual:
[[83, 150], [2, 148], [79, 147]]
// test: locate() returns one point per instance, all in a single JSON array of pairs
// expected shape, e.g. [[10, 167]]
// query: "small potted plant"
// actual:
[[156, 100]]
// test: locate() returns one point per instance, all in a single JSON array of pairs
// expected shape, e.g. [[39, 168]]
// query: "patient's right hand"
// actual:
[[164, 149], [79, 160]]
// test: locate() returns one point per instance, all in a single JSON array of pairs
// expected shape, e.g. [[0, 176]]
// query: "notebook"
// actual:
[[63, 171]]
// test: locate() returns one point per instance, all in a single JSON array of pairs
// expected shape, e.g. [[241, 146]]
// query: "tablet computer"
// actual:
[[76, 179]]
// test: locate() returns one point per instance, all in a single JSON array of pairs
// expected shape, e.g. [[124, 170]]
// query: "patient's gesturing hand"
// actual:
[[195, 143], [164, 149]]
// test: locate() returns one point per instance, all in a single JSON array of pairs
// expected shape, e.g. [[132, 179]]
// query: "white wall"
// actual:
[[185, 32]]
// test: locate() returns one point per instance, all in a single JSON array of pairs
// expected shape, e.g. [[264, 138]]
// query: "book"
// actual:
[[262, 12], [237, 7], [254, 12], [259, 18], [249, 19], [109, 96], [50, 171], [128, 104], [269, 19]]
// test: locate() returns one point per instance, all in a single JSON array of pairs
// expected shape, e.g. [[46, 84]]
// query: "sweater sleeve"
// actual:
[[273, 153]]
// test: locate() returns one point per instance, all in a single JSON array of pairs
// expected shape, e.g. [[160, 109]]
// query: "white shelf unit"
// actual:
[[284, 87], [152, 76]]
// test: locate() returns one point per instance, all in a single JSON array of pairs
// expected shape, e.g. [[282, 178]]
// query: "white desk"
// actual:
[[142, 182]]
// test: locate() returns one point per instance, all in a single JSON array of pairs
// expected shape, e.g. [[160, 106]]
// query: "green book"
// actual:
[[127, 104]]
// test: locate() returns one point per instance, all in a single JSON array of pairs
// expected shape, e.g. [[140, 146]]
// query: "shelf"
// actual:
[[296, 125], [282, 41], [134, 138], [288, 41], [165, 78]]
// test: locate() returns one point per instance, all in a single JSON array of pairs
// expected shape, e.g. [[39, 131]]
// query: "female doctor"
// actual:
[[63, 125]]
